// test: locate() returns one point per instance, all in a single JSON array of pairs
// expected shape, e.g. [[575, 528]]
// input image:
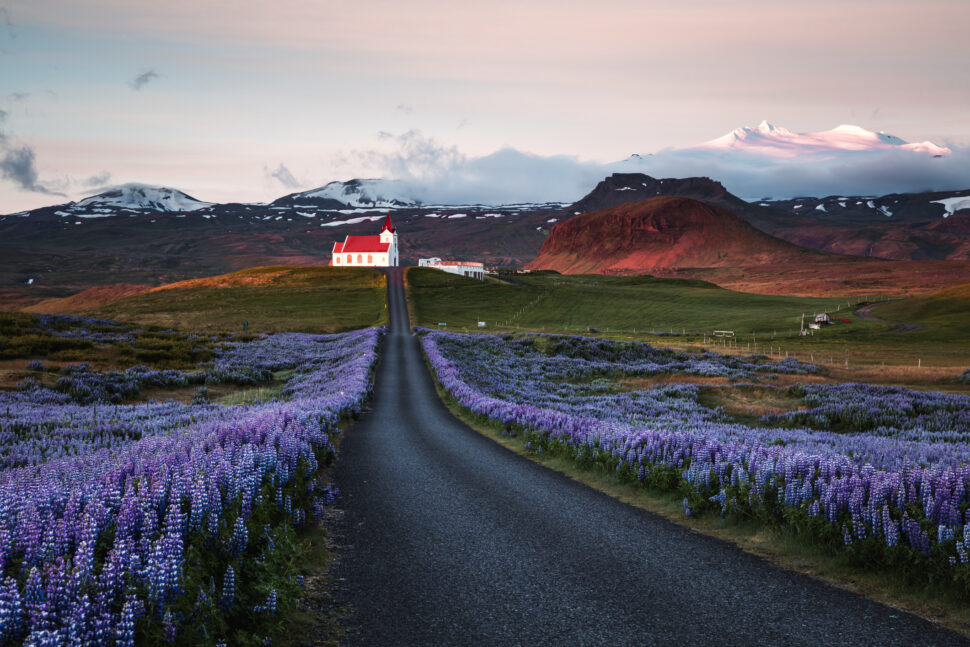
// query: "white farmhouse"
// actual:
[[463, 268], [368, 251]]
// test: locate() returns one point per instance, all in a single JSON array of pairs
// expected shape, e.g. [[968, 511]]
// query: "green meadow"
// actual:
[[300, 299], [608, 304], [930, 334]]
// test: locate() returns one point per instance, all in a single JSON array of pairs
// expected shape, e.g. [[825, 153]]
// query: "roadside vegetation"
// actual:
[[201, 460], [825, 477]]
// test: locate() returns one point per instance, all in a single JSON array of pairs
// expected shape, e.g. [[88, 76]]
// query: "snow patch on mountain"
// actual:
[[352, 221], [139, 197], [375, 193], [952, 205]]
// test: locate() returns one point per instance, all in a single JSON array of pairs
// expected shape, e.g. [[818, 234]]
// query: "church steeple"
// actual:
[[387, 224]]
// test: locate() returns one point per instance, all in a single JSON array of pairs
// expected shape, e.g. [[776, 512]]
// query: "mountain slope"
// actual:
[[914, 226], [142, 197], [683, 238], [356, 193], [659, 233], [622, 188]]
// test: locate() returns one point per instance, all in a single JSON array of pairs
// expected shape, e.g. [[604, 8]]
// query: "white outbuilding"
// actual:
[[470, 269]]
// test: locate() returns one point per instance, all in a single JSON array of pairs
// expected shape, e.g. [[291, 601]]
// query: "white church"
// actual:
[[368, 251]]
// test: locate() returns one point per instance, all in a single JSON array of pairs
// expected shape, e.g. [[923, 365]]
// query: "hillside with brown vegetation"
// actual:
[[893, 227], [662, 233], [86, 299], [680, 237]]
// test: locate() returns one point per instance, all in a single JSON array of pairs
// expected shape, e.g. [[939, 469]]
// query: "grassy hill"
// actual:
[[293, 298], [573, 303], [949, 308], [86, 299]]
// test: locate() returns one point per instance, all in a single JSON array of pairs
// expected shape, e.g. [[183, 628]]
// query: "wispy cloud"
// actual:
[[405, 108], [18, 162], [18, 166], [284, 177], [7, 22], [143, 79], [97, 181]]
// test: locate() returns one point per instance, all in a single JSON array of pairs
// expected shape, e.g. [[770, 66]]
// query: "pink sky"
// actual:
[[239, 88]]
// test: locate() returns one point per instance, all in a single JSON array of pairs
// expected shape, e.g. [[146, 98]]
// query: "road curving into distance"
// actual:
[[447, 538]]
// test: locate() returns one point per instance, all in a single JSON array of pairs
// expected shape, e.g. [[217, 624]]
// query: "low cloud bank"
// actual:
[[436, 173]]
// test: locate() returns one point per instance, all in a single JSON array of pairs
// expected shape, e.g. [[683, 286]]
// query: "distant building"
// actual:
[[368, 251], [823, 318], [463, 268]]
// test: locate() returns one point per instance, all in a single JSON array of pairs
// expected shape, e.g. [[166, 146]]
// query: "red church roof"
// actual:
[[365, 244], [361, 244]]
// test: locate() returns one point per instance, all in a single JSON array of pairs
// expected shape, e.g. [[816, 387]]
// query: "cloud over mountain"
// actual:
[[751, 162], [284, 176]]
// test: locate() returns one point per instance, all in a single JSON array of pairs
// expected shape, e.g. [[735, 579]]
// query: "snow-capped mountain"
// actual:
[[772, 161], [771, 141], [141, 197], [356, 193]]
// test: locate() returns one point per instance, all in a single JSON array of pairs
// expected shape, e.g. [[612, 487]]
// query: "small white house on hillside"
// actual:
[[368, 251], [462, 268]]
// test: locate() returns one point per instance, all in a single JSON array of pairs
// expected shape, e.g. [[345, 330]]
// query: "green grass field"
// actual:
[[643, 306], [575, 303], [301, 299], [920, 333]]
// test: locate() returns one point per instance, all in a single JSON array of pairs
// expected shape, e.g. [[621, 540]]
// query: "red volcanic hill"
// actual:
[[662, 233], [679, 237]]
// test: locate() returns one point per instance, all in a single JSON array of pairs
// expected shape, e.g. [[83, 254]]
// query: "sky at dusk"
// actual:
[[237, 100]]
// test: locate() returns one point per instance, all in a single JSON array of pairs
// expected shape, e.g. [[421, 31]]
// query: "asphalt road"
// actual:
[[447, 538]]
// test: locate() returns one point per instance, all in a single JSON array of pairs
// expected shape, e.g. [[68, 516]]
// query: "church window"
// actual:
[[370, 259], [360, 259], [350, 258]]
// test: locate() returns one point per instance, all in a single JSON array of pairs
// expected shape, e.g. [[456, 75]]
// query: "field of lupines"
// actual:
[[878, 473], [167, 523]]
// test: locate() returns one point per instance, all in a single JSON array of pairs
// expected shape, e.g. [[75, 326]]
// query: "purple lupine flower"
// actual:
[[104, 467], [239, 539], [228, 589], [11, 611], [169, 630], [905, 448], [130, 612]]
